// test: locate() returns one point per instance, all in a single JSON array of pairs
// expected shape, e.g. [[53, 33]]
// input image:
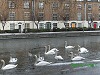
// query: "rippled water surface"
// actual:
[[20, 47]]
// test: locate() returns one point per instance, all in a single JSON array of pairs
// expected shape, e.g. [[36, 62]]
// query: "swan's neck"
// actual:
[[72, 55], [3, 64], [36, 59], [65, 43], [10, 57], [79, 47], [56, 54], [45, 49], [49, 47], [39, 55]]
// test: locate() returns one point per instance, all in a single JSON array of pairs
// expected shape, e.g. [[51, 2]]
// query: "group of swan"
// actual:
[[53, 51], [80, 49], [10, 65], [76, 58], [50, 51], [40, 60]]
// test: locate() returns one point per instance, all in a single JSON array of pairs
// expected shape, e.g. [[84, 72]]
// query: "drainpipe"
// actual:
[[85, 11], [33, 12]]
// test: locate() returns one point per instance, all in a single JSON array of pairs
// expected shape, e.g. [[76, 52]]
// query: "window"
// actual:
[[26, 4], [12, 26], [73, 24], [79, 6], [41, 16], [11, 15], [80, 0], [89, 6], [89, 0], [89, 15], [41, 5], [67, 17], [41, 25], [80, 25], [27, 14], [54, 5], [54, 17], [54, 25], [99, 16], [27, 25], [11, 4], [66, 6], [99, 6], [66, 25], [79, 16]]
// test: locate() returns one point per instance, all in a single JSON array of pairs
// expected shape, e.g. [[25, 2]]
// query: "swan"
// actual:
[[77, 58], [53, 49], [13, 60], [51, 52], [41, 63], [68, 47], [58, 57], [8, 66], [40, 58], [82, 49]]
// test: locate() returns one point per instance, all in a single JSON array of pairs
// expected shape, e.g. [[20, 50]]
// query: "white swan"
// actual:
[[68, 47], [53, 49], [40, 58], [51, 52], [41, 63], [58, 57], [13, 60], [82, 49], [9, 66], [77, 58]]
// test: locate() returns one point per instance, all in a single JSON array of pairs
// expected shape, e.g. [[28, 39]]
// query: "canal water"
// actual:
[[20, 47]]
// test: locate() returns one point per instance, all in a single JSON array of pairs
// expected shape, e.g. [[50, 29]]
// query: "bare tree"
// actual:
[[36, 20], [63, 6], [3, 14], [3, 19]]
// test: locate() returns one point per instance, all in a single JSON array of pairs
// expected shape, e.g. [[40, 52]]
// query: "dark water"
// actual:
[[20, 47]]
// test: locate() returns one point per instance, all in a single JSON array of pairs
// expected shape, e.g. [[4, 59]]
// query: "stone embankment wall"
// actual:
[[49, 34]]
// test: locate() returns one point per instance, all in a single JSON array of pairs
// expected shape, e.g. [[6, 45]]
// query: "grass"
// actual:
[[75, 65]]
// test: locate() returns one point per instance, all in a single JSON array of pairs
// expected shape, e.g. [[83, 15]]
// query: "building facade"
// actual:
[[49, 14], [16, 14]]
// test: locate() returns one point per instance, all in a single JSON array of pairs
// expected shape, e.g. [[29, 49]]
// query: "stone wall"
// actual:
[[49, 34]]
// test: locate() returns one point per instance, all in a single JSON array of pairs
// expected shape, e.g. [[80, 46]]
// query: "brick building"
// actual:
[[49, 14]]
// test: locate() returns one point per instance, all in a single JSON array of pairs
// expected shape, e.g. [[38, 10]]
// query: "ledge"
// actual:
[[49, 34]]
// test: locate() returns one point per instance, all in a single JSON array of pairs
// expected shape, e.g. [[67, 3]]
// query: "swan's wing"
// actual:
[[78, 58], [54, 49], [50, 52], [42, 63], [59, 57], [13, 60], [69, 47], [83, 50], [9, 66]]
